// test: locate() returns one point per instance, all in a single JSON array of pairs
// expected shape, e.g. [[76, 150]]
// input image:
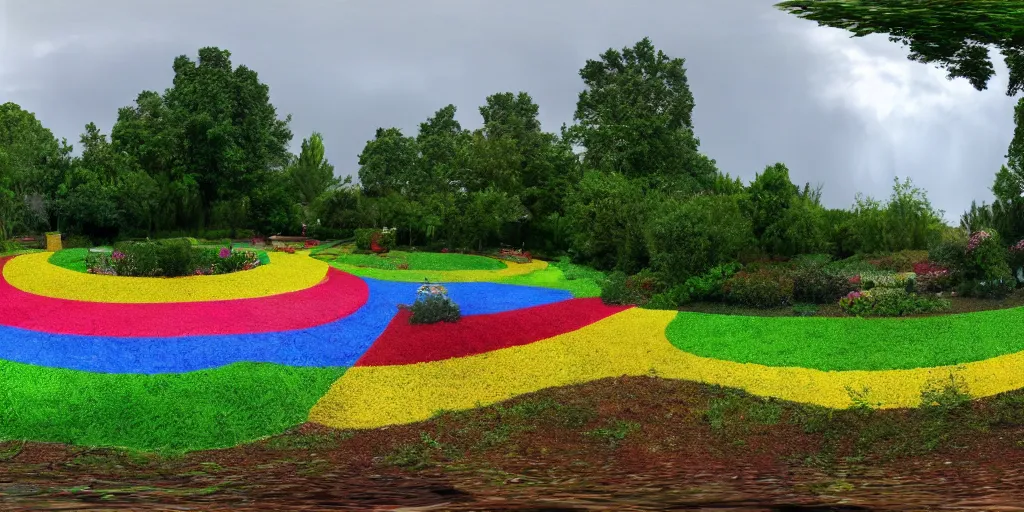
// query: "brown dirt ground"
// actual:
[[637, 443]]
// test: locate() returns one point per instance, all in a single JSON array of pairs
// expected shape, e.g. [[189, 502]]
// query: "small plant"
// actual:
[[433, 305], [616, 431], [890, 302], [285, 248]]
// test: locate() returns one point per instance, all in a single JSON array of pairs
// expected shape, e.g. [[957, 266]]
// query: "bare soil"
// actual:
[[638, 443]]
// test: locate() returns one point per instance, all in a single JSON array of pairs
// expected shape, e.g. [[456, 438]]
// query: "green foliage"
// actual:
[[813, 282], [607, 214], [687, 238], [635, 118], [710, 285], [388, 163], [637, 289], [953, 36], [893, 302], [906, 221], [763, 288], [363, 238], [71, 259], [433, 309]]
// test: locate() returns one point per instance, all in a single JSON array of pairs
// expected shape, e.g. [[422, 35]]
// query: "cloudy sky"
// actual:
[[847, 113]]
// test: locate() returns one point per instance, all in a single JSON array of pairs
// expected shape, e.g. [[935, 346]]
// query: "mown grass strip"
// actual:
[[200, 410], [851, 343]]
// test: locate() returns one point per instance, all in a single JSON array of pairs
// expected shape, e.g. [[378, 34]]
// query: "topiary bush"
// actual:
[[433, 305]]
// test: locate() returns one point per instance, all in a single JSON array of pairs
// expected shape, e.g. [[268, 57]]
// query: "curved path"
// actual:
[[336, 296], [33, 273]]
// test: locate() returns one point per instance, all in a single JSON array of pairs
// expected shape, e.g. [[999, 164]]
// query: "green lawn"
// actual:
[[851, 343], [579, 280], [200, 410], [421, 261]]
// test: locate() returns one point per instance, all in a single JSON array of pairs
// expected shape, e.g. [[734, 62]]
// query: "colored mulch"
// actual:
[[338, 343], [337, 296], [851, 343], [404, 343]]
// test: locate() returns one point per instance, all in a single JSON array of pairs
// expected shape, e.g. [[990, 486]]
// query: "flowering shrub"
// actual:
[[976, 239], [312, 243], [285, 248], [902, 280], [932, 277], [987, 272], [889, 302], [169, 259], [433, 305]]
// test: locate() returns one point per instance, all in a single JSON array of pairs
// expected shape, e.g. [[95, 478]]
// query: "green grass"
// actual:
[[74, 259], [421, 261], [850, 343], [581, 281], [199, 410], [71, 259]]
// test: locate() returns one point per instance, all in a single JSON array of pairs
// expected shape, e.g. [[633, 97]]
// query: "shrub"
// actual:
[[890, 302], [931, 277], [815, 284], [77, 242], [637, 289], [986, 269], [670, 299], [764, 288], [709, 286], [433, 305], [950, 251], [174, 258], [903, 280], [363, 238]]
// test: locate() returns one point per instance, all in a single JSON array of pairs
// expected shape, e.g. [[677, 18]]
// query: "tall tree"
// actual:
[[443, 145], [231, 137], [635, 118], [31, 159], [311, 174], [390, 163]]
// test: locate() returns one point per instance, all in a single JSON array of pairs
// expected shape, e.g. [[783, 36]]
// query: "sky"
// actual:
[[847, 113]]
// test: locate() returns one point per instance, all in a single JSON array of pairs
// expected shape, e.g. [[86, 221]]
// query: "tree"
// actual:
[[635, 118], [31, 159], [952, 35], [607, 214], [311, 174], [230, 136], [390, 163], [443, 144], [686, 238]]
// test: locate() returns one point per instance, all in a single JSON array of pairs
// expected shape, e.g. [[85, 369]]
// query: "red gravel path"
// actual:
[[403, 343], [338, 295]]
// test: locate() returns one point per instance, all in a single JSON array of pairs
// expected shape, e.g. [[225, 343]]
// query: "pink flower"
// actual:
[[976, 238], [117, 256], [225, 252]]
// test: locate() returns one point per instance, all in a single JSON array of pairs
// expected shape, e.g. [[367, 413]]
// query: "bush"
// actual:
[[902, 261], [169, 258], [950, 251], [903, 280], [363, 238], [764, 288], [998, 287], [932, 277], [636, 289], [77, 242], [986, 272], [709, 286], [815, 284], [890, 302], [433, 305], [671, 299]]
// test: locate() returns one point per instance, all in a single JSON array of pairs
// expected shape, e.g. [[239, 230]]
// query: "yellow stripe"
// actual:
[[629, 343], [32, 273]]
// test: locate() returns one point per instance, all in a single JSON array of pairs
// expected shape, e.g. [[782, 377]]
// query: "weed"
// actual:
[[616, 431], [315, 441]]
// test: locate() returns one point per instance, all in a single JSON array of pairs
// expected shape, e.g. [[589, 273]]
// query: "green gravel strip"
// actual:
[[74, 259], [171, 413], [421, 261], [851, 343]]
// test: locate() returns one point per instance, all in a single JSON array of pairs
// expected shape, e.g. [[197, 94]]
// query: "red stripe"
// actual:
[[403, 343], [338, 295]]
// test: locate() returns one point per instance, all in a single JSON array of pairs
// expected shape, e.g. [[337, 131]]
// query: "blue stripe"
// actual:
[[339, 343]]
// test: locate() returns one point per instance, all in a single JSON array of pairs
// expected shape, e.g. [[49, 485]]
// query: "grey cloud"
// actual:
[[345, 68]]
